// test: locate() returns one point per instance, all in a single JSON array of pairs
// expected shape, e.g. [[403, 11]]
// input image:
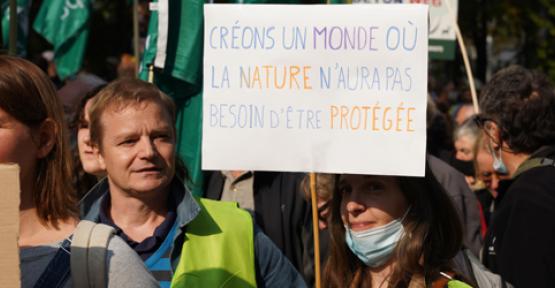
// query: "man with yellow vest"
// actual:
[[184, 241]]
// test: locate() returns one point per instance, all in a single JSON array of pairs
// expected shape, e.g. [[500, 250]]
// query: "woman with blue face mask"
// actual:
[[392, 232]]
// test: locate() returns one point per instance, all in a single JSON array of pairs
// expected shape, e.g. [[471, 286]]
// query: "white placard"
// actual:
[[441, 25], [315, 88]]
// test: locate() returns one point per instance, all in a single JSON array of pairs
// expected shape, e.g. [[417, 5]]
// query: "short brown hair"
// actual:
[[28, 95], [120, 94]]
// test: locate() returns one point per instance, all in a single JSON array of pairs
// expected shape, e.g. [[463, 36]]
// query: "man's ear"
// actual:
[[99, 157], [47, 134], [495, 135]]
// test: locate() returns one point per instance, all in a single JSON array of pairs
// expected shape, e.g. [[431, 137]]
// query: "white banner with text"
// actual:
[[315, 88]]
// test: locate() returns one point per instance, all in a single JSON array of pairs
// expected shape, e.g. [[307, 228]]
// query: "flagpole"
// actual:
[[467, 66], [136, 34], [13, 28], [151, 74], [315, 228]]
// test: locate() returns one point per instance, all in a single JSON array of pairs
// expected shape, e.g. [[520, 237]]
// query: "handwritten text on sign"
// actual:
[[336, 88]]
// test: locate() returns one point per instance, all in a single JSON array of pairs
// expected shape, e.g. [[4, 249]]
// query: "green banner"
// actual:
[[64, 25], [441, 49]]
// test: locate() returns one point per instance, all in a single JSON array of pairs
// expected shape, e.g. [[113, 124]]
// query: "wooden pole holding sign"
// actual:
[[301, 91], [315, 229], [468, 69], [151, 73]]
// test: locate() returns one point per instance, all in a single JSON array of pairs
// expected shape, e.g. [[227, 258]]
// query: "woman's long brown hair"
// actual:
[[433, 236], [28, 95]]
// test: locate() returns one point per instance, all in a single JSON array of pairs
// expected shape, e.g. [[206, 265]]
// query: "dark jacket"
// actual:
[[272, 269], [281, 211], [520, 243], [464, 200]]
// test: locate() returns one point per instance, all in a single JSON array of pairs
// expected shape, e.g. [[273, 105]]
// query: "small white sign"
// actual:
[[441, 25], [315, 88]]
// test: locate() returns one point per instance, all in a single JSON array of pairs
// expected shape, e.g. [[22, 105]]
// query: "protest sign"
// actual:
[[9, 225], [442, 27], [315, 88]]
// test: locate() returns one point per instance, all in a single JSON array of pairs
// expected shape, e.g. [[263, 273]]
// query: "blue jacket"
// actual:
[[272, 268]]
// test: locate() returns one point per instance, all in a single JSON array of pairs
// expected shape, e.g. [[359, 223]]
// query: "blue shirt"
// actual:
[[150, 244]]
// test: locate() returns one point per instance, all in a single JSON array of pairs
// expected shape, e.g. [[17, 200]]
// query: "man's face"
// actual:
[[486, 173], [137, 148], [463, 146]]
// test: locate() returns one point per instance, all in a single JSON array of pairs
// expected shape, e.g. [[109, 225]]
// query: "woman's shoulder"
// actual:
[[125, 267], [34, 260]]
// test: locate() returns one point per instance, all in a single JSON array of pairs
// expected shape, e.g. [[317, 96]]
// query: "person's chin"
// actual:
[[93, 169], [150, 185]]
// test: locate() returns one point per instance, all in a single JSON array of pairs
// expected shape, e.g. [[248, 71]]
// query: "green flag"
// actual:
[[22, 25], [174, 47], [64, 25]]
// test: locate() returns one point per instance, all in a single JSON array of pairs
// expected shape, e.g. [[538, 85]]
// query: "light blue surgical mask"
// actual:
[[498, 164], [374, 246]]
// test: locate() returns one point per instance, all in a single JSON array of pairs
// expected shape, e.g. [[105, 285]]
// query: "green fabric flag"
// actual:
[[22, 25], [188, 124], [174, 47], [64, 25]]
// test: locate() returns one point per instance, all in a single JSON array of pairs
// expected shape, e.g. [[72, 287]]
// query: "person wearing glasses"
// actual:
[[518, 118]]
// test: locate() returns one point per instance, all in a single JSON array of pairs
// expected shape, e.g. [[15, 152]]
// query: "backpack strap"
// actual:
[[56, 274], [533, 163], [88, 254]]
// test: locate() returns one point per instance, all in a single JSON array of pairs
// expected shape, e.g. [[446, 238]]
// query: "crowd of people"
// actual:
[[108, 172]]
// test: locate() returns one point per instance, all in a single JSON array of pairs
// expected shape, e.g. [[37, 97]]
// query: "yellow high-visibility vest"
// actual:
[[218, 249]]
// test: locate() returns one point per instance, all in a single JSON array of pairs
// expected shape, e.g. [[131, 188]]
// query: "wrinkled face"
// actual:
[[137, 148], [486, 173], [86, 151], [370, 201], [463, 146], [18, 146]]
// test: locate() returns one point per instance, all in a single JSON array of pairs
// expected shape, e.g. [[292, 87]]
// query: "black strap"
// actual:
[[58, 270]]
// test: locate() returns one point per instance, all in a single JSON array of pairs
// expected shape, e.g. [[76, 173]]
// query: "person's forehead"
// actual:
[[463, 142], [484, 159], [142, 108], [129, 114]]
